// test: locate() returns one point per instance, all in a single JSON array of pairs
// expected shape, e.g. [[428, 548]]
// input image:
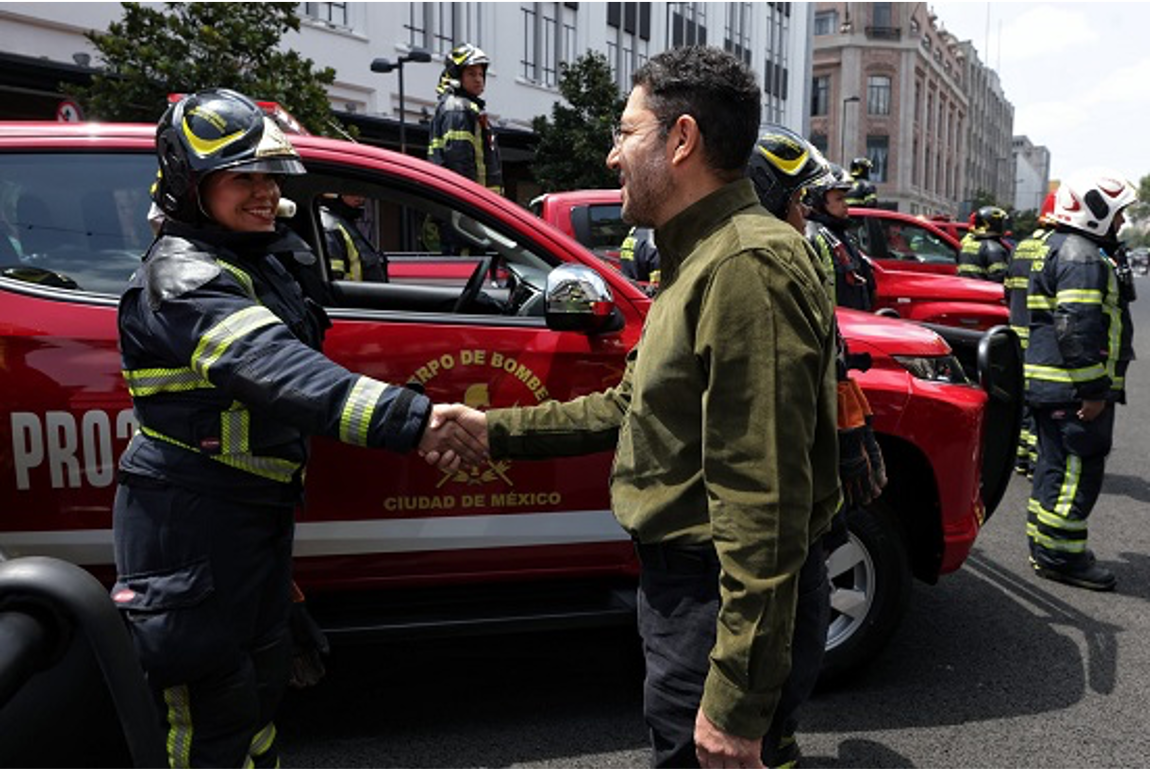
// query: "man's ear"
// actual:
[[687, 141]]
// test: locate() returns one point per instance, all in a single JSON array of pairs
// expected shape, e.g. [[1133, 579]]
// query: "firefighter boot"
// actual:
[[1084, 573]]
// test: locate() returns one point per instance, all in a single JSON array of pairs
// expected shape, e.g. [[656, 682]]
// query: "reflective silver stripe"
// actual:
[[1055, 520], [179, 726], [219, 338], [358, 410], [148, 382], [244, 279], [1054, 374]]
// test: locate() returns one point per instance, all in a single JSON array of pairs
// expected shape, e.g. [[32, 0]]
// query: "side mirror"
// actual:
[[578, 299]]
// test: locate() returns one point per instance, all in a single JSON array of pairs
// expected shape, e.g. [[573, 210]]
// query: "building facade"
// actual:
[[1032, 174], [527, 43], [890, 83], [990, 160]]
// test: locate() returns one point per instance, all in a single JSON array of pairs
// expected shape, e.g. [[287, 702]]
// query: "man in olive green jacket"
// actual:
[[724, 421]]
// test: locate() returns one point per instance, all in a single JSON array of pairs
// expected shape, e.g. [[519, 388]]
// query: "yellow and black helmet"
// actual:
[[463, 56], [861, 168], [990, 220], [214, 130], [781, 163]]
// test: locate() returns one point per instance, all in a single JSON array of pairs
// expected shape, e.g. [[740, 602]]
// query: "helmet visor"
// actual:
[[290, 166]]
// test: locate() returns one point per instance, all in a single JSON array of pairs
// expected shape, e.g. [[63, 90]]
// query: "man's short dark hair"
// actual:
[[716, 89]]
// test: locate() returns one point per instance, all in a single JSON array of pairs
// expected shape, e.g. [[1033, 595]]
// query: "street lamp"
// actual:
[[417, 55], [843, 129]]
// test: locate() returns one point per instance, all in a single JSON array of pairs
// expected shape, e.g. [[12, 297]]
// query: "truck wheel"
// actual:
[[870, 589]]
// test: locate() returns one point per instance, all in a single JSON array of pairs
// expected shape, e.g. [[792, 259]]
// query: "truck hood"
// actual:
[[937, 287], [889, 335]]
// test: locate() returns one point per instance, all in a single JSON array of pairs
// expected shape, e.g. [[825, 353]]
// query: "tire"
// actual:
[[870, 589]]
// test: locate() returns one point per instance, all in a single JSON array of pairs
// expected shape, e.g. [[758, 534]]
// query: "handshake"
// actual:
[[455, 435]]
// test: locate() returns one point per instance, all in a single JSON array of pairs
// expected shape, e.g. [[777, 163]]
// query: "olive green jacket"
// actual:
[[724, 430]]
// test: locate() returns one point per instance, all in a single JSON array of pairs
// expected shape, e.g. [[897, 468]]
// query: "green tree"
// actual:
[[573, 144], [186, 47], [1139, 212]]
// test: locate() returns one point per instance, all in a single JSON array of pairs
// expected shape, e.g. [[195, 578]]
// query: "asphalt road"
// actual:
[[992, 667]]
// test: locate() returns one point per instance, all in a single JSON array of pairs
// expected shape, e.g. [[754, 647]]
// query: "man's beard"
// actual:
[[649, 184]]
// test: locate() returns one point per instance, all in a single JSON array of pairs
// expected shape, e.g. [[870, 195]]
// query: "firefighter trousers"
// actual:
[[1067, 481], [204, 585]]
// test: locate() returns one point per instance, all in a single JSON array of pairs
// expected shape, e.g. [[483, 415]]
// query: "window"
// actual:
[[878, 95], [77, 221], [738, 31], [687, 24], [632, 18], [820, 95], [332, 13], [877, 149], [776, 74], [548, 38], [820, 142], [439, 27], [826, 22], [881, 15]]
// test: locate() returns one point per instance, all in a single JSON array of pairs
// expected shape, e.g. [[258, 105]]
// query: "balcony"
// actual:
[[884, 33]]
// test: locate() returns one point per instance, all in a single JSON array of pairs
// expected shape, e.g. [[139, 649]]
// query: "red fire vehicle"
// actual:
[[387, 544], [914, 262]]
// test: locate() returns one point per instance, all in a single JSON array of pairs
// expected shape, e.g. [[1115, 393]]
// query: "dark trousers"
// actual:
[[678, 611], [1067, 481], [204, 584]]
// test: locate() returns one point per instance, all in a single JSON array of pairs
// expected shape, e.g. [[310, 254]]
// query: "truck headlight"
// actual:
[[934, 368]]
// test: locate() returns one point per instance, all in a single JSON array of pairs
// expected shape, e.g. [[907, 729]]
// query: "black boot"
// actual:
[[1084, 573]]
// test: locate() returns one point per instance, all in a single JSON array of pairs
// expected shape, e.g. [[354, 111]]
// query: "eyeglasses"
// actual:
[[618, 133]]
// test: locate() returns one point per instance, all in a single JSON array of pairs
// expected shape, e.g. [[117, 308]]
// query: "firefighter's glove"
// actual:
[[309, 645], [854, 468], [862, 472], [874, 454]]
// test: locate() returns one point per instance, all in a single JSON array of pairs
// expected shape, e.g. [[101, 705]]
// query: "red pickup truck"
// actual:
[[387, 544], [907, 253]]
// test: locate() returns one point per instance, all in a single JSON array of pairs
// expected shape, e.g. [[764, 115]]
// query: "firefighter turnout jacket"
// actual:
[[220, 352], [462, 139], [840, 258], [983, 256], [1075, 323], [639, 257], [1026, 254]]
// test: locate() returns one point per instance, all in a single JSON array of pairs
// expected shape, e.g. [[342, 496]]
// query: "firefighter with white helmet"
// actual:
[[1075, 371]]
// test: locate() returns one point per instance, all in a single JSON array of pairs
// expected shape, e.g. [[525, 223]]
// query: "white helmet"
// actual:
[[1089, 200]]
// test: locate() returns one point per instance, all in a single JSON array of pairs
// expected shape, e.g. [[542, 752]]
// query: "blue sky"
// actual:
[[1077, 73]]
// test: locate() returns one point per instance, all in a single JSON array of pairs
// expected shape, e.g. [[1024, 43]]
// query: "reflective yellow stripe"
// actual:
[[235, 424], [1053, 543], [1114, 328], [1055, 374], [149, 382], [1065, 502], [244, 279], [352, 254], [1039, 302], [1079, 296], [358, 410], [274, 468], [179, 726], [219, 338], [263, 740], [476, 143], [1017, 282], [971, 269]]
